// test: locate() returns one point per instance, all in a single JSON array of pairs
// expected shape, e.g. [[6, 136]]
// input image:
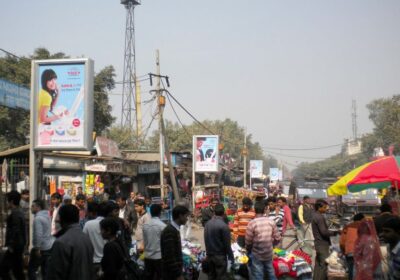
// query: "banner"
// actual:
[[274, 174], [205, 153], [62, 107], [256, 168]]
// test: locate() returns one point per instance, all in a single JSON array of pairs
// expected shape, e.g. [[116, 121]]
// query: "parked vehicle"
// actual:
[[366, 202]]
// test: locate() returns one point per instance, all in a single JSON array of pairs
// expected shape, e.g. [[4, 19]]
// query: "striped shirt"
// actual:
[[260, 235], [277, 218], [241, 221]]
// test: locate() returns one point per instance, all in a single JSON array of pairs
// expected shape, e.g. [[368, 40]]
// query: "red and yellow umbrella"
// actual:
[[377, 174]]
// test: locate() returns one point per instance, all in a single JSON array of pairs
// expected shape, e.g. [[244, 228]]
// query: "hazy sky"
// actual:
[[286, 70]]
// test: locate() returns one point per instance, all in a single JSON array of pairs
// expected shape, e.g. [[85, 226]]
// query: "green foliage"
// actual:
[[125, 138], [14, 127]]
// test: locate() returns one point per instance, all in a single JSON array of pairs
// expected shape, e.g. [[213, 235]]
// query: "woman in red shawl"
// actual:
[[367, 254]]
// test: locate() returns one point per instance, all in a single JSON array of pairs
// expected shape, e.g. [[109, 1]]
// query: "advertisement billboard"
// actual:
[[205, 153], [256, 168], [62, 104], [13, 95], [274, 174]]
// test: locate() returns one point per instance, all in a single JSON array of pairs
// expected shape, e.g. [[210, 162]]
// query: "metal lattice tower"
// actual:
[[129, 76], [354, 119]]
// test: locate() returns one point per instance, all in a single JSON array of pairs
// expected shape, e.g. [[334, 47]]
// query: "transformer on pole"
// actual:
[[129, 74]]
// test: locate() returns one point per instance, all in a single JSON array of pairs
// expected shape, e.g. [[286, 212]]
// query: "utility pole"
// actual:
[[160, 117], [164, 149], [244, 152], [138, 106]]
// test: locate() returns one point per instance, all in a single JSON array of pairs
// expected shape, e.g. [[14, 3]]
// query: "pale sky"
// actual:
[[286, 70]]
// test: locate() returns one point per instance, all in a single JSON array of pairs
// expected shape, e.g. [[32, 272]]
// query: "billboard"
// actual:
[[13, 95], [256, 168], [274, 174], [205, 153], [62, 104]]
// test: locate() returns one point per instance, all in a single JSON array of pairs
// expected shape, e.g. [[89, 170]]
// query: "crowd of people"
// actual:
[[259, 230], [80, 239]]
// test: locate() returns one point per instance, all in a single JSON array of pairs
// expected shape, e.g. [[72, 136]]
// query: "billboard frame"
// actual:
[[216, 167], [88, 100]]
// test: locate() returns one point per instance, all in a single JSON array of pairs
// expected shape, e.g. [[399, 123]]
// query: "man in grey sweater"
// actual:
[[42, 240]]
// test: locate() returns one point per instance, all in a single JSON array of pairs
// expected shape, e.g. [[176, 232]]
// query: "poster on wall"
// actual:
[[205, 153], [62, 104]]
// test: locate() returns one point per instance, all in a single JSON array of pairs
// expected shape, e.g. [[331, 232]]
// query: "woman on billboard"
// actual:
[[48, 97]]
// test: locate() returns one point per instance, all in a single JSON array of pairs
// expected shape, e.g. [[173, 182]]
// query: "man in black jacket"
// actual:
[[217, 237], [171, 248], [72, 253], [15, 239], [322, 239]]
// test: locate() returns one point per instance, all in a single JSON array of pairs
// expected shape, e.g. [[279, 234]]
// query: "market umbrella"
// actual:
[[377, 174]]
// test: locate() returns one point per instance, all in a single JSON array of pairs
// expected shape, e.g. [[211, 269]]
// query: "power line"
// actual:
[[176, 115], [293, 156], [303, 149]]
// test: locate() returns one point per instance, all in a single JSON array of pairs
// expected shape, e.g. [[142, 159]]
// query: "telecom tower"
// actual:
[[354, 119], [129, 90]]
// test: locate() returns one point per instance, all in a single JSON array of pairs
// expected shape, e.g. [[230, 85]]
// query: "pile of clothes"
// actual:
[[193, 256], [295, 264], [336, 266]]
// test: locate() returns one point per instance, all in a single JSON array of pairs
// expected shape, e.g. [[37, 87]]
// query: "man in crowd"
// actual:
[[143, 217], [391, 235], [72, 253], [242, 217], [171, 247], [125, 212], [287, 219], [15, 239], [80, 202], [125, 234], [217, 238], [321, 239], [151, 238], [92, 229], [42, 240], [305, 213], [274, 213], [347, 240], [24, 204], [208, 212], [56, 203], [385, 214], [261, 233]]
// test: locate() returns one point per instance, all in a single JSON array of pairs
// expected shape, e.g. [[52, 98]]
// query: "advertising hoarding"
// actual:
[[256, 168], [13, 95], [274, 174], [62, 104], [205, 153]]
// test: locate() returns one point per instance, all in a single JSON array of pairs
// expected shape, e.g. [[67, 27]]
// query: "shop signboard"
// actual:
[[256, 168], [62, 104], [107, 147], [95, 167], [205, 153], [149, 168], [61, 163]]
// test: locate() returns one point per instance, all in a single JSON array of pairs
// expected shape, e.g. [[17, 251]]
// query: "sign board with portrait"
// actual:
[[256, 168], [205, 153], [62, 104]]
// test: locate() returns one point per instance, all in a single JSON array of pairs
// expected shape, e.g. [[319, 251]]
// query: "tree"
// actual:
[[18, 70], [385, 115]]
